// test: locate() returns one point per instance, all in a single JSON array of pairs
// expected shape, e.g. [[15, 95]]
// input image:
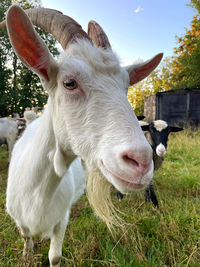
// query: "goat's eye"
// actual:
[[70, 84]]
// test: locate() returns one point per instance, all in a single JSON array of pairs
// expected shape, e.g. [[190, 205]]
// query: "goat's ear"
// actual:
[[27, 44], [145, 127], [140, 118], [175, 129], [140, 71]]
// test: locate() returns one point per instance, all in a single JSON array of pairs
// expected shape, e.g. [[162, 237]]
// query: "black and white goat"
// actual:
[[157, 133]]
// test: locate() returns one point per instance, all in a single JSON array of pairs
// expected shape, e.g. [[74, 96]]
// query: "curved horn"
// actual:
[[62, 27], [97, 35]]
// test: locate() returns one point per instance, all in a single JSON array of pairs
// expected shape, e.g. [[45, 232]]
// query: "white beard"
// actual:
[[98, 191]]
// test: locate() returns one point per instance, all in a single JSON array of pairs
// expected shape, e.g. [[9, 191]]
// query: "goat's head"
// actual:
[[87, 95], [159, 131]]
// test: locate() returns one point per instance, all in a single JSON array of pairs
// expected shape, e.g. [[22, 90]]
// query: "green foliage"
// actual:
[[28, 4], [195, 4], [178, 72], [186, 62], [5, 72], [158, 81], [20, 88], [167, 236], [183, 68]]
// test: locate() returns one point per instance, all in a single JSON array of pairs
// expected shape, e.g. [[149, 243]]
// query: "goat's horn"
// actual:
[[97, 35], [62, 27]]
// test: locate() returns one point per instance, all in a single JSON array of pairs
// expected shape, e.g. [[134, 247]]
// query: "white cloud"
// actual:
[[139, 9]]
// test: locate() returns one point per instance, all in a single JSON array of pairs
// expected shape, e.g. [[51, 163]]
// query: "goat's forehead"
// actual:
[[160, 125], [72, 66], [93, 58]]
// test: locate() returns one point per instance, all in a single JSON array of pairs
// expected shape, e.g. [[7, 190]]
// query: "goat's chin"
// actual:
[[123, 185], [98, 187], [126, 187]]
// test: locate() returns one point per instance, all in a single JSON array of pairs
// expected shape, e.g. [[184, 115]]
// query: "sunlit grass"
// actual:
[[167, 236]]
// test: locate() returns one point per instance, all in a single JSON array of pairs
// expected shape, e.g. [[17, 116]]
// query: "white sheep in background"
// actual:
[[11, 128], [88, 115], [8, 133], [29, 116]]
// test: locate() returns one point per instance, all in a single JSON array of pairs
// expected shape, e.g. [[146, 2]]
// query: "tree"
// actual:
[[186, 62], [195, 4], [178, 72], [5, 53], [21, 88], [158, 81]]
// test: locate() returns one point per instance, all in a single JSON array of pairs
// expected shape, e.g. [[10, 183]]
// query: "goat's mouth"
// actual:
[[127, 184]]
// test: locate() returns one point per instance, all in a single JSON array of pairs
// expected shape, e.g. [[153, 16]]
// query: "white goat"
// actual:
[[8, 133], [29, 116], [88, 115]]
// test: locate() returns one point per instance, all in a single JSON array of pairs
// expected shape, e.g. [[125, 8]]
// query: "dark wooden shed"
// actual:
[[180, 107]]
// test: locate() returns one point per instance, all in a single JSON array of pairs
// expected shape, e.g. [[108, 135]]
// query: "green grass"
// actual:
[[167, 236]]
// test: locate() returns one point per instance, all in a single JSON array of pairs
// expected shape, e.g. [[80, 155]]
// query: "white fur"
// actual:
[[29, 116], [160, 125], [40, 203], [8, 133], [94, 122], [142, 123]]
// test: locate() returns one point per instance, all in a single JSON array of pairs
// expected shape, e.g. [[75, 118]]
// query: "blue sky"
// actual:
[[136, 29]]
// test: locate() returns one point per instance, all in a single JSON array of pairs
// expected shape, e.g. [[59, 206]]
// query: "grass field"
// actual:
[[167, 236]]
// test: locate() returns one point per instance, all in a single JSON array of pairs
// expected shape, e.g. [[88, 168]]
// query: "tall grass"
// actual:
[[166, 236]]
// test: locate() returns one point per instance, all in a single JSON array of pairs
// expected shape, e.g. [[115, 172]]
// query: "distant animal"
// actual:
[[157, 133], [15, 115], [8, 133], [87, 118], [29, 116], [12, 128]]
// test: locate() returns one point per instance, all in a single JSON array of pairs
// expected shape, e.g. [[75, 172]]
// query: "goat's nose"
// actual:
[[161, 150], [139, 163]]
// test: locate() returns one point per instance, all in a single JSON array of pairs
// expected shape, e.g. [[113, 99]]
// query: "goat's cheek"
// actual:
[[74, 94]]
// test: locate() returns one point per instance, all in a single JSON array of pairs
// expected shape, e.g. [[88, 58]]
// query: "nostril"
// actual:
[[130, 160], [161, 152], [136, 162]]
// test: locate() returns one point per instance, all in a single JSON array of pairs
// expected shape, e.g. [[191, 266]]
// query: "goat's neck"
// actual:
[[43, 147], [158, 161]]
